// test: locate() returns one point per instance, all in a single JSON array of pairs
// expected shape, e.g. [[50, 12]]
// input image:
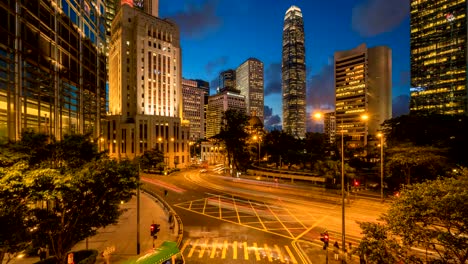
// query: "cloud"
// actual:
[[195, 21], [273, 79], [400, 105], [274, 120], [321, 89], [372, 17], [216, 63]]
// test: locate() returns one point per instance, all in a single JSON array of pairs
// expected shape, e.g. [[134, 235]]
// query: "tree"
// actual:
[[234, 137], [153, 158], [59, 197], [408, 163], [429, 215], [440, 131]]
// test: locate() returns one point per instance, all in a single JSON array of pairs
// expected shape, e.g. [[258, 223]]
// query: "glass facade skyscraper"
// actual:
[[294, 74], [52, 67], [438, 57]]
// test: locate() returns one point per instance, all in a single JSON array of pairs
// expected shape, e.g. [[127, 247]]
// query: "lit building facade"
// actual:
[[193, 108], [52, 67], [294, 74], [249, 81], [439, 57], [145, 88], [329, 126], [363, 85], [217, 105]]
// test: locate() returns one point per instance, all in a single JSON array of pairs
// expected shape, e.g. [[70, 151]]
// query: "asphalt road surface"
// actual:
[[245, 220]]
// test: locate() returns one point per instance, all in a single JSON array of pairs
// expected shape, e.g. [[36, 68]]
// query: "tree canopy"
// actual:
[[63, 191], [431, 216]]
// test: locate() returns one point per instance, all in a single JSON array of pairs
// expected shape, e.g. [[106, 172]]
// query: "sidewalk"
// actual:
[[123, 235]]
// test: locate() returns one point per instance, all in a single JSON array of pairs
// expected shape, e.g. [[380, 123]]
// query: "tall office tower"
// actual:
[[294, 74], [52, 67], [439, 57], [217, 105], [249, 81], [206, 88], [227, 80], [363, 85], [193, 98], [145, 88]]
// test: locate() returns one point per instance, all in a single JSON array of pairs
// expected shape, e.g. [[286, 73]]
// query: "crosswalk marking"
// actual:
[[257, 255], [193, 248], [213, 248], [267, 249], [293, 259], [270, 253], [203, 247], [234, 249], [185, 245], [246, 251], [223, 254], [279, 253]]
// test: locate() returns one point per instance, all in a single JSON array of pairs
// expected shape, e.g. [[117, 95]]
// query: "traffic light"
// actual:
[[324, 238], [154, 229]]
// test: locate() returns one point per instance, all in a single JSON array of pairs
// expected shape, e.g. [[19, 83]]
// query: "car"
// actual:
[[203, 170]]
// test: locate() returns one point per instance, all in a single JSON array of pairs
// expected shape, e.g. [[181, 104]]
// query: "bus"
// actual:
[[167, 253]]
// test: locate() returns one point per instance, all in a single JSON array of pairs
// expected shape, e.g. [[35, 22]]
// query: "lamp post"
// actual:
[[343, 237], [381, 136], [319, 116]]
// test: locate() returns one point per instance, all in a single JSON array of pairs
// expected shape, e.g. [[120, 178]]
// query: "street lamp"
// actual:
[[343, 239], [381, 136]]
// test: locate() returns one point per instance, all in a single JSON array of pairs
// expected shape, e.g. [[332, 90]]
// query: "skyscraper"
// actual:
[[53, 67], [145, 88], [217, 105], [294, 74], [227, 80], [363, 85], [439, 57], [193, 98], [249, 81]]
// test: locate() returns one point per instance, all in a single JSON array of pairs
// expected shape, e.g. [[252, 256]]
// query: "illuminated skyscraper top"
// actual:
[[294, 74], [439, 57]]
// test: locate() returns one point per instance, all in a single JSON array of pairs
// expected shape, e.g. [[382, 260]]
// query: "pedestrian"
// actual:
[[362, 260], [42, 253], [336, 250]]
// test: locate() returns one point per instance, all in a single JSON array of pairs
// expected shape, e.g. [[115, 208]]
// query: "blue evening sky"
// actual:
[[219, 34]]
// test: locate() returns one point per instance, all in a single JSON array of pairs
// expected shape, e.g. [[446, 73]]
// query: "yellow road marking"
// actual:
[[223, 254], [279, 253], [291, 256], [234, 250], [203, 247], [257, 255], [193, 248], [246, 251], [213, 248], [299, 252], [310, 228], [185, 245], [255, 211], [204, 206], [237, 212], [268, 252], [190, 206], [279, 220]]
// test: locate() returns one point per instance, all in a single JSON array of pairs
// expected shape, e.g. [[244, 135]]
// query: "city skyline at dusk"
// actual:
[[220, 35]]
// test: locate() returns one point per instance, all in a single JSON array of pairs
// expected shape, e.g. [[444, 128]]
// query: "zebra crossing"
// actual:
[[212, 248]]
